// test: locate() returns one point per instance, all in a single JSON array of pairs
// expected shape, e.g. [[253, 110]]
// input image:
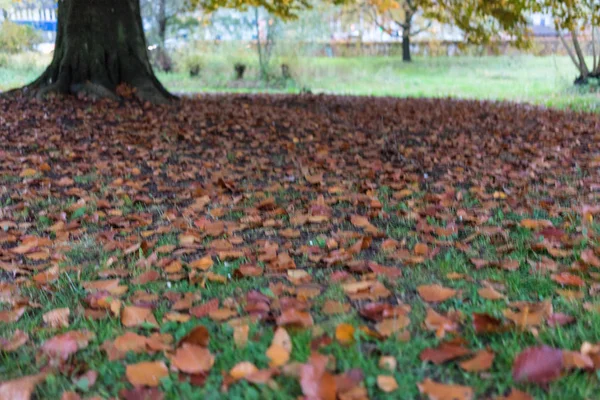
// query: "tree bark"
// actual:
[[406, 32], [406, 57], [162, 22], [583, 69], [100, 45]]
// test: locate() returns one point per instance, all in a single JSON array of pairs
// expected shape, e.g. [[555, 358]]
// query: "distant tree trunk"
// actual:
[[406, 47], [406, 32], [164, 62], [161, 18], [100, 44]]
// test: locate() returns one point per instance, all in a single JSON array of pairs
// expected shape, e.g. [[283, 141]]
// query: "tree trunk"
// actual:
[[100, 45], [406, 47], [406, 28], [583, 69], [162, 22]]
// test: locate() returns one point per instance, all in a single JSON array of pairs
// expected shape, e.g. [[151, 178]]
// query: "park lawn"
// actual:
[[521, 78], [291, 202]]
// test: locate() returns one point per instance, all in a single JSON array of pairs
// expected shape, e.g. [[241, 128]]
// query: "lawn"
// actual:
[[522, 78], [271, 247]]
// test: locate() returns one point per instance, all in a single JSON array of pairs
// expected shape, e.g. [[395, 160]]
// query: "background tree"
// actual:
[[101, 44], [481, 21], [577, 18], [162, 13], [389, 14]]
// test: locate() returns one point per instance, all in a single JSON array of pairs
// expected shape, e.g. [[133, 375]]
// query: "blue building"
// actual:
[[39, 16]]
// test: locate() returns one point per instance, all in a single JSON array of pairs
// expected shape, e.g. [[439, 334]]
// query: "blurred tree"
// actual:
[[576, 17], [4, 7], [480, 20], [101, 44], [162, 13]]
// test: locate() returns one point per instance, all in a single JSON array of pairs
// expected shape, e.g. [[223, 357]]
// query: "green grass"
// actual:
[[521, 285], [523, 78]]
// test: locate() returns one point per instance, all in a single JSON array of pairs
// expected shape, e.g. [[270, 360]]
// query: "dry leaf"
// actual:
[[387, 383], [146, 373]]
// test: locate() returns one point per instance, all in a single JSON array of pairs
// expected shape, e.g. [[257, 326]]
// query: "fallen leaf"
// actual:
[[439, 391], [482, 361], [192, 359], [539, 365], [387, 383], [146, 373], [57, 318], [21, 388], [242, 369], [135, 316], [344, 333], [435, 293]]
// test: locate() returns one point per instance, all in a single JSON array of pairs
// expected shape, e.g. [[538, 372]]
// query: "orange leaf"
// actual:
[[203, 263], [387, 383], [435, 293], [439, 391], [192, 359], [21, 388], [146, 373], [242, 369], [344, 333], [135, 316], [481, 362]]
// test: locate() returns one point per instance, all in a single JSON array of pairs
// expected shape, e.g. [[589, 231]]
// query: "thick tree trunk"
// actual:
[[100, 45]]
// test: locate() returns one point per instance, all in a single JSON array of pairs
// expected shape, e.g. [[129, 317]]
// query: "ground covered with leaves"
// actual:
[[271, 247]]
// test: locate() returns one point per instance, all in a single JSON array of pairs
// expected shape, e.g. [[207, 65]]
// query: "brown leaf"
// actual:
[[242, 369], [18, 339], [387, 383], [446, 351], [565, 278], [57, 318], [439, 391], [198, 336], [61, 347], [435, 293], [21, 388], [146, 373], [192, 359], [203, 263], [332, 307], [315, 381], [489, 293], [135, 316], [482, 361], [536, 224]]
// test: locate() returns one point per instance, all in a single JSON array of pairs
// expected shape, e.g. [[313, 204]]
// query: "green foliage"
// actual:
[[15, 38], [284, 9], [482, 20]]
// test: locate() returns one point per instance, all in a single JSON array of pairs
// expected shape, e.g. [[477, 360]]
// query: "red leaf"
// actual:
[[538, 365]]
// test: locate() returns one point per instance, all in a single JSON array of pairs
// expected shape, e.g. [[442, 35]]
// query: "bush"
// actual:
[[15, 38], [192, 64]]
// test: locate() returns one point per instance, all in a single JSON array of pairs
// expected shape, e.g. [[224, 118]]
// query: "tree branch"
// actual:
[[569, 51]]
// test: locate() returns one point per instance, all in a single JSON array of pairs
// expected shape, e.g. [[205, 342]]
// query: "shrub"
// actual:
[[15, 38], [192, 64]]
